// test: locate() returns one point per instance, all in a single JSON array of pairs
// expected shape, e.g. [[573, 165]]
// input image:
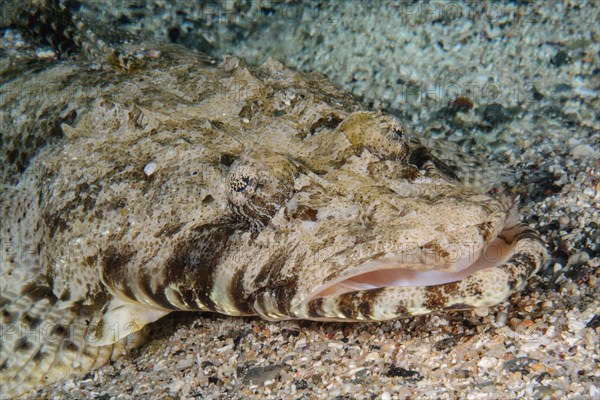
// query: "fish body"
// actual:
[[165, 180]]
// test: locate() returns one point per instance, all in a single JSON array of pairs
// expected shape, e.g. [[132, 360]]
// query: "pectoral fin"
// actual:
[[122, 318]]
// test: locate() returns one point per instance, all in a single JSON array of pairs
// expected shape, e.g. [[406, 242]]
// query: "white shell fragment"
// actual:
[[150, 168]]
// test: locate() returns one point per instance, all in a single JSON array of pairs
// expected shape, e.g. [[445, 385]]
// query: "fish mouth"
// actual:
[[426, 269]]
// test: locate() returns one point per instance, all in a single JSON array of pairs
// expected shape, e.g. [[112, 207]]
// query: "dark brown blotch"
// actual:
[[421, 156], [31, 322], [136, 118], [452, 288], [304, 213], [158, 296], [227, 159], [8, 317], [402, 312], [114, 261], [38, 356], [284, 293], [55, 224], [368, 298], [436, 297], [98, 330], [70, 346], [86, 196], [271, 279], [346, 305], [169, 230], [328, 122], [90, 261], [474, 289], [237, 293], [195, 259], [38, 293], [315, 308], [271, 270], [58, 330], [65, 295], [409, 172], [436, 248], [520, 267], [23, 345]]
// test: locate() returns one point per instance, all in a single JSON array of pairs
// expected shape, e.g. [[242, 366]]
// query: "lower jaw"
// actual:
[[389, 275], [485, 287]]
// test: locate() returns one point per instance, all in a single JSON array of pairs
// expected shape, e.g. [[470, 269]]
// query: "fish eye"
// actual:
[[243, 179], [257, 189], [242, 183], [397, 133]]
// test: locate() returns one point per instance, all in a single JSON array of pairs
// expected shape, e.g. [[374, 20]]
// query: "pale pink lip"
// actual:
[[390, 272]]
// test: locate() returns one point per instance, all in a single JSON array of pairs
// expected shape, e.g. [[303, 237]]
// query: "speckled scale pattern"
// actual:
[[265, 184]]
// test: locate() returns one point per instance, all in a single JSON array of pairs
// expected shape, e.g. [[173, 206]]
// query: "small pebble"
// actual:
[[487, 362], [538, 368], [501, 318], [582, 150], [481, 312], [46, 54], [150, 168]]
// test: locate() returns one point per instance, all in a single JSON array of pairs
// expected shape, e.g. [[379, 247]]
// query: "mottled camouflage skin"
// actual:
[[187, 184]]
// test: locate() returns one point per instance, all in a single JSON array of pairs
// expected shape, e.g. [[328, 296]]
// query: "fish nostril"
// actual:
[[227, 159], [324, 123]]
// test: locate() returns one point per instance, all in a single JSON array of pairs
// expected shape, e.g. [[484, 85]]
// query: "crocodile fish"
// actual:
[[152, 179]]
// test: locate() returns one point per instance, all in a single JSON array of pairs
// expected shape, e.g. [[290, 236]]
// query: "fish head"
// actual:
[[361, 222], [324, 212]]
